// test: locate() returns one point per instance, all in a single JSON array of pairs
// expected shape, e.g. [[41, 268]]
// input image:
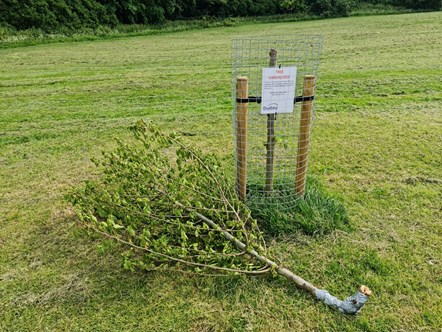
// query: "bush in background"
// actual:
[[56, 15]]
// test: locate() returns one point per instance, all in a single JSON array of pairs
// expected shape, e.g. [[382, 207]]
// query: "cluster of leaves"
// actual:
[[151, 198]]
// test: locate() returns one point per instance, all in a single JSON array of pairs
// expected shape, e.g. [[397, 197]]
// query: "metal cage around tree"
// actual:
[[272, 142]]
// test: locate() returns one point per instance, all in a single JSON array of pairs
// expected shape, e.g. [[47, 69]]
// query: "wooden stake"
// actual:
[[242, 92], [270, 145], [304, 135]]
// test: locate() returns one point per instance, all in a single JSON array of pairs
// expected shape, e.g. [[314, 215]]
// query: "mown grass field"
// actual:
[[377, 144]]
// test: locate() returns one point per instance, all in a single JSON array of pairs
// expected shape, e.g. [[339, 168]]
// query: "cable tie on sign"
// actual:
[[253, 99]]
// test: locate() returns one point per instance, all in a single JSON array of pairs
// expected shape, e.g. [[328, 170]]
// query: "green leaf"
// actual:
[[116, 226], [130, 230]]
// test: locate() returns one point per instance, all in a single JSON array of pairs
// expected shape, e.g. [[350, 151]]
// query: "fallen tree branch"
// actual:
[[351, 305], [175, 206]]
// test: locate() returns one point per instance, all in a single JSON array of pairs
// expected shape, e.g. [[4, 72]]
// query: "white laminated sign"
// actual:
[[278, 90]]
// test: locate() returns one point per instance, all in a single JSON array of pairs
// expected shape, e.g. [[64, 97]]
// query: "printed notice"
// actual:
[[278, 90]]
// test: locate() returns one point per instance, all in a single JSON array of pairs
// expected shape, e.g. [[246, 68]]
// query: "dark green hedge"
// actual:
[[411, 4], [52, 15]]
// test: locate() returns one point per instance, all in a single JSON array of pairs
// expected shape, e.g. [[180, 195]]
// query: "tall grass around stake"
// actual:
[[317, 213]]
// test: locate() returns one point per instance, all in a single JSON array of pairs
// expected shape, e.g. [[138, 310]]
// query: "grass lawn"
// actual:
[[377, 144]]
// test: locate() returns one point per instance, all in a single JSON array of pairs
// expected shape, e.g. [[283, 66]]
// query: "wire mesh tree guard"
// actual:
[[273, 92]]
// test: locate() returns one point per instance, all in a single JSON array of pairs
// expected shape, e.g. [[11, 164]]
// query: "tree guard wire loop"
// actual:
[[271, 154]]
